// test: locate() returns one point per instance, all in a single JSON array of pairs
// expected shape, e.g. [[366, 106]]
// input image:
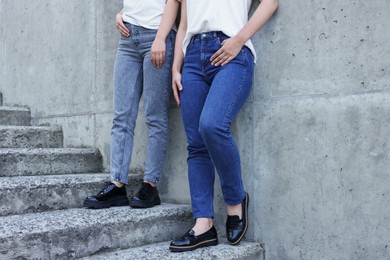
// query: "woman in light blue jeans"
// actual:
[[134, 75], [142, 68]]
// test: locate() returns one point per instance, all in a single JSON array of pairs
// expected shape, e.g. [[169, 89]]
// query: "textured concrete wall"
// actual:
[[313, 134], [57, 58], [321, 131]]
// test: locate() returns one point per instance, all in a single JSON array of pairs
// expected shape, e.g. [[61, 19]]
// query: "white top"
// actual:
[[145, 13], [228, 16]]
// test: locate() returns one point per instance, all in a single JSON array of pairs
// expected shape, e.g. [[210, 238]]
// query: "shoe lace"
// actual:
[[109, 187]]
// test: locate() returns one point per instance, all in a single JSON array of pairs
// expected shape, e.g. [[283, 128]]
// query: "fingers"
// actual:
[[123, 29], [226, 61], [176, 96], [158, 59], [162, 59], [157, 51], [216, 55], [121, 26], [153, 58], [228, 51], [177, 87], [222, 59]]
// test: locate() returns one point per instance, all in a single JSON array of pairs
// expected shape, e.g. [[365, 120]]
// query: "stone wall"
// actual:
[[321, 131], [313, 135]]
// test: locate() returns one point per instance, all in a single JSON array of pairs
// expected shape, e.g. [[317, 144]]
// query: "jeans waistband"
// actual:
[[138, 27], [213, 34]]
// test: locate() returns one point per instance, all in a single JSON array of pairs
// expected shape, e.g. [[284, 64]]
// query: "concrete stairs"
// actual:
[[30, 136], [43, 185], [54, 192], [158, 251], [14, 116]]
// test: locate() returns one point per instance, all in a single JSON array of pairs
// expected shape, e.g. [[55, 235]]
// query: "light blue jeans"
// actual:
[[210, 100], [134, 75]]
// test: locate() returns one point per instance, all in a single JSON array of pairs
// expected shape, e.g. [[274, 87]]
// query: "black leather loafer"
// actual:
[[146, 197], [190, 242], [110, 196], [236, 227]]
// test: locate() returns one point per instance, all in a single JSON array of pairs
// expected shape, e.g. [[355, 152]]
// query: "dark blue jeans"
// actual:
[[210, 100]]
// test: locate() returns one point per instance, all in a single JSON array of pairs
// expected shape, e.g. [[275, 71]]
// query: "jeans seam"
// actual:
[[160, 165], [119, 173], [228, 115], [166, 93], [235, 98]]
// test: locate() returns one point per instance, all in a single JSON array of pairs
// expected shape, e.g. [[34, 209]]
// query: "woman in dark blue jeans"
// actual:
[[212, 78]]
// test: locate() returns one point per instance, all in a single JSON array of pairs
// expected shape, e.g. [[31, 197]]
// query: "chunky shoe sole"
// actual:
[[144, 204], [245, 209], [114, 202], [210, 242]]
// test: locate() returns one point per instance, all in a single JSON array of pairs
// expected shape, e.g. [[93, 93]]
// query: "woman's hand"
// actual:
[[158, 52], [176, 86], [229, 50], [121, 26]]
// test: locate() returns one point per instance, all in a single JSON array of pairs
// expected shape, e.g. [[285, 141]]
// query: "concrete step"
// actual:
[[15, 116], [160, 251], [73, 233], [48, 161], [26, 194], [30, 137]]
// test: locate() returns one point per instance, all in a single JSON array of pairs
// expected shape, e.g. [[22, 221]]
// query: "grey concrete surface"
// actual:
[[330, 170], [15, 116], [30, 137], [223, 251], [330, 48], [316, 120], [26, 194], [48, 161], [320, 132], [76, 233]]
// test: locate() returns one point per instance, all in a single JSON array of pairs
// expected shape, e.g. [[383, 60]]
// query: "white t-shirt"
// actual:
[[228, 16], [145, 13]]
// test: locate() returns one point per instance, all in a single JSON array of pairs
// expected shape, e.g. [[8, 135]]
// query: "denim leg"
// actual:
[[157, 85], [210, 100], [201, 173], [128, 79], [230, 88]]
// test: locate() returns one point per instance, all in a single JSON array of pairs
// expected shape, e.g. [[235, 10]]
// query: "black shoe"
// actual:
[[108, 197], [190, 242], [146, 197], [236, 227]]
